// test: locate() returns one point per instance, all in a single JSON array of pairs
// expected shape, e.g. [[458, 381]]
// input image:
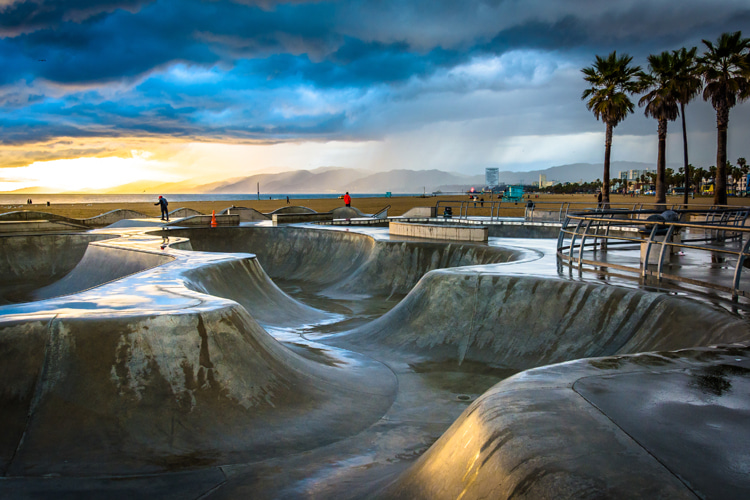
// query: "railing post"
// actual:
[[580, 247], [738, 268], [573, 241], [667, 237], [561, 234], [644, 264]]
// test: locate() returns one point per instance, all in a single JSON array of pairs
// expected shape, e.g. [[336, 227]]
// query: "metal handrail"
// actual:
[[731, 220], [562, 209]]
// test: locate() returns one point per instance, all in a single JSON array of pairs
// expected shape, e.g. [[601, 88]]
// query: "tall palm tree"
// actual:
[[660, 102], [736, 173], [699, 173], [742, 165], [612, 79], [688, 85], [725, 67]]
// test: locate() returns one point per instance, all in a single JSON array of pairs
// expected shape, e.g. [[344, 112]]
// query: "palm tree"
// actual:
[[612, 79], [688, 85], [736, 175], [725, 67], [742, 165], [661, 103], [669, 178], [698, 175]]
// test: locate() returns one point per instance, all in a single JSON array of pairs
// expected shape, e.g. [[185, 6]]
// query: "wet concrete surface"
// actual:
[[364, 377], [710, 450]]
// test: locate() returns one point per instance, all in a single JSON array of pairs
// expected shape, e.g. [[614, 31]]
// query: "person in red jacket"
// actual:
[[347, 199]]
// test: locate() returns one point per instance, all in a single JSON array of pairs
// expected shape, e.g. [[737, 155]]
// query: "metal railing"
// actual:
[[533, 210], [492, 209], [594, 239]]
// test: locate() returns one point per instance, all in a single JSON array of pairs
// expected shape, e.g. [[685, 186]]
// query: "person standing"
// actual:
[[347, 199], [163, 205]]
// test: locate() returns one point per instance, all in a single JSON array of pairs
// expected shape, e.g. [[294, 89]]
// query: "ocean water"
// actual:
[[59, 199]]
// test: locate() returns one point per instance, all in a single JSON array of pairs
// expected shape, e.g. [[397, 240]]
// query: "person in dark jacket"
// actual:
[[163, 205]]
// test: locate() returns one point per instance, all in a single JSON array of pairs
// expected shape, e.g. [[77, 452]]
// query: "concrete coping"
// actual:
[[440, 231], [292, 218]]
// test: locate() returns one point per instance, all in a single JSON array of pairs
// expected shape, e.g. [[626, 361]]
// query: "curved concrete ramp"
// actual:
[[293, 210], [101, 220], [28, 215], [245, 282], [523, 322], [183, 212], [644, 426], [157, 393], [28, 262], [346, 263], [101, 264], [347, 213], [111, 217]]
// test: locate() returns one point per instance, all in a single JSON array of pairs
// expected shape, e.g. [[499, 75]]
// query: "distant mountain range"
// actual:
[[339, 180]]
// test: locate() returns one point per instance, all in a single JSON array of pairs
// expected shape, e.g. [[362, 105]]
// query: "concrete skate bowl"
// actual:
[[180, 381], [533, 435], [191, 382], [29, 263], [144, 393], [522, 322], [342, 264]]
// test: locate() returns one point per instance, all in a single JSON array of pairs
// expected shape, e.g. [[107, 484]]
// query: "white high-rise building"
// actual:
[[491, 176]]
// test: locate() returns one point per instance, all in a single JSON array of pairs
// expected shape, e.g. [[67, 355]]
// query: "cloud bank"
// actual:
[[484, 79]]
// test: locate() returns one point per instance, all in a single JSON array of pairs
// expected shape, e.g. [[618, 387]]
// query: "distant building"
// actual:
[[544, 183], [633, 177], [492, 176]]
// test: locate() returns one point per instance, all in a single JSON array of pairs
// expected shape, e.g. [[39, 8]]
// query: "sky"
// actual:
[[97, 93]]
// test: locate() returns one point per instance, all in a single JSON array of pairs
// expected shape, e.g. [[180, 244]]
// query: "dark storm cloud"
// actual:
[[24, 16], [294, 69]]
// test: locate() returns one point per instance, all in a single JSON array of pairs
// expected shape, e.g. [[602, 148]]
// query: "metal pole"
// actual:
[[644, 264], [738, 268], [667, 238]]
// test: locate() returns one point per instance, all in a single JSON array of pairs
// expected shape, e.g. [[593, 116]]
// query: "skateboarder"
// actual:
[[163, 204]]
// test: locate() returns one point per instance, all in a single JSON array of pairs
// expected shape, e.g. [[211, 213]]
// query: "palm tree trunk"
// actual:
[[720, 183], [661, 163], [685, 156], [607, 154]]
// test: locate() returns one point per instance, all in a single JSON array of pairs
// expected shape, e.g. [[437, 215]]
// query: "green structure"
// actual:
[[513, 193]]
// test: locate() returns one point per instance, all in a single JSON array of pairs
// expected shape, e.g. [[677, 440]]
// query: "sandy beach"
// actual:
[[398, 204]]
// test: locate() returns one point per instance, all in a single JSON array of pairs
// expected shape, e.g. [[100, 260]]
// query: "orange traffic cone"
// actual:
[[213, 218]]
